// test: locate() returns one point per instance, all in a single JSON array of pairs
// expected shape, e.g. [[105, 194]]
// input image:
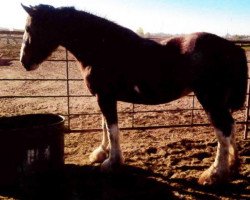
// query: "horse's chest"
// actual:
[[101, 80]]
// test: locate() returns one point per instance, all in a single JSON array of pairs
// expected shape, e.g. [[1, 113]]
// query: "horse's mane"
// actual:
[[78, 17]]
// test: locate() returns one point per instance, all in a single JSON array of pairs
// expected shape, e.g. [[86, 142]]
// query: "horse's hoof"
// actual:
[[109, 166], [99, 155], [213, 176]]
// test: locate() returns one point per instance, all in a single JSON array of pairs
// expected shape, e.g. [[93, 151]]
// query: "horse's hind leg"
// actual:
[[226, 155], [219, 171], [101, 153]]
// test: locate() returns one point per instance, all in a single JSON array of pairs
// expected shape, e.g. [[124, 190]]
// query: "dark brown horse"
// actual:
[[118, 65]]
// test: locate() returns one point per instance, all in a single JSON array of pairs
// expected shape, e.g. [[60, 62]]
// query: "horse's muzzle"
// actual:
[[31, 67], [28, 66]]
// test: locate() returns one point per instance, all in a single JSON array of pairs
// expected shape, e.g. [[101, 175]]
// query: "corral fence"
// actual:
[[63, 93]]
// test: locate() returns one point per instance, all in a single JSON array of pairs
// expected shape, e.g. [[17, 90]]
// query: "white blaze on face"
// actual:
[[25, 38], [24, 57]]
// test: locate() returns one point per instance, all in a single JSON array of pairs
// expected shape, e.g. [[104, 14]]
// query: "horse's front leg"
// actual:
[[108, 106], [101, 153], [115, 158]]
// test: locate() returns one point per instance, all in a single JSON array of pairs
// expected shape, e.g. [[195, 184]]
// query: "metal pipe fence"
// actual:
[[64, 93]]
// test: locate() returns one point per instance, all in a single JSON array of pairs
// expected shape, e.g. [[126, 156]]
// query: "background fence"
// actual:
[[57, 87]]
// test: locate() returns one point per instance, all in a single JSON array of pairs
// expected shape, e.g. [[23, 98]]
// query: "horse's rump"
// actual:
[[240, 77], [215, 65]]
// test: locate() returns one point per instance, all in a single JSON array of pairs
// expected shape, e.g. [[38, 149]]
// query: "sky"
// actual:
[[155, 16]]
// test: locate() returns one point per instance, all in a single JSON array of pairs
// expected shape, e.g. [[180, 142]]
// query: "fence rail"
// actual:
[[135, 116]]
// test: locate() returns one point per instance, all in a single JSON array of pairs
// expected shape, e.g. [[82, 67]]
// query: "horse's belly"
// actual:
[[145, 101], [152, 97]]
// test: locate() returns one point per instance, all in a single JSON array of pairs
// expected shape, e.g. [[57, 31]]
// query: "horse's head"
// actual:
[[40, 38]]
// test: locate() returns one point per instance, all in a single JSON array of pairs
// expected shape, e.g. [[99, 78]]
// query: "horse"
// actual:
[[119, 65]]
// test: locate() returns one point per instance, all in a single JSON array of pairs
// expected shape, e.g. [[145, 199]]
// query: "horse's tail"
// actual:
[[240, 79]]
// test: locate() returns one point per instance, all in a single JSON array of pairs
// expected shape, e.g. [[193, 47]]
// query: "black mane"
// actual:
[[80, 19]]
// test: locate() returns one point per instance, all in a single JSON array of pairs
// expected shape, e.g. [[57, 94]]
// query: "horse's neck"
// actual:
[[80, 45], [86, 35], [81, 33], [74, 45]]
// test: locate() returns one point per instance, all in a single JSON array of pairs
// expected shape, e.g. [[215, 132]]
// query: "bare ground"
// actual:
[[159, 164]]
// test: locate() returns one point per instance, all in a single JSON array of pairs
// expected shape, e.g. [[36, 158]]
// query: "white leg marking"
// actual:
[[233, 154], [221, 159], [114, 140], [115, 154], [101, 152], [105, 141], [23, 45], [219, 170], [136, 88]]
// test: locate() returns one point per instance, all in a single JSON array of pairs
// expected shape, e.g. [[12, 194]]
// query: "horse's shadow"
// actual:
[[87, 182], [229, 190]]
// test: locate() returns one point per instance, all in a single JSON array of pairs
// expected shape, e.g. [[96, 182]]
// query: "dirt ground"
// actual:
[[159, 163]]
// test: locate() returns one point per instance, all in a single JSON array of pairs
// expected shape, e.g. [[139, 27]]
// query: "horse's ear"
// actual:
[[30, 10]]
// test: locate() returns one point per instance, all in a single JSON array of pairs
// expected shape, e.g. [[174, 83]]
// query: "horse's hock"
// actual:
[[30, 144]]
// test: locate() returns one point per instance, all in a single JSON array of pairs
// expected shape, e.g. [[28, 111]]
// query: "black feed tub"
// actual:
[[29, 144]]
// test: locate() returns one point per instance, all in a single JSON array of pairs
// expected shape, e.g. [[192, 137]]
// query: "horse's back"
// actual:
[[199, 41]]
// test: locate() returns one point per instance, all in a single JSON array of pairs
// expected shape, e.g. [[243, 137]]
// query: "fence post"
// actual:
[[68, 98], [247, 113]]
